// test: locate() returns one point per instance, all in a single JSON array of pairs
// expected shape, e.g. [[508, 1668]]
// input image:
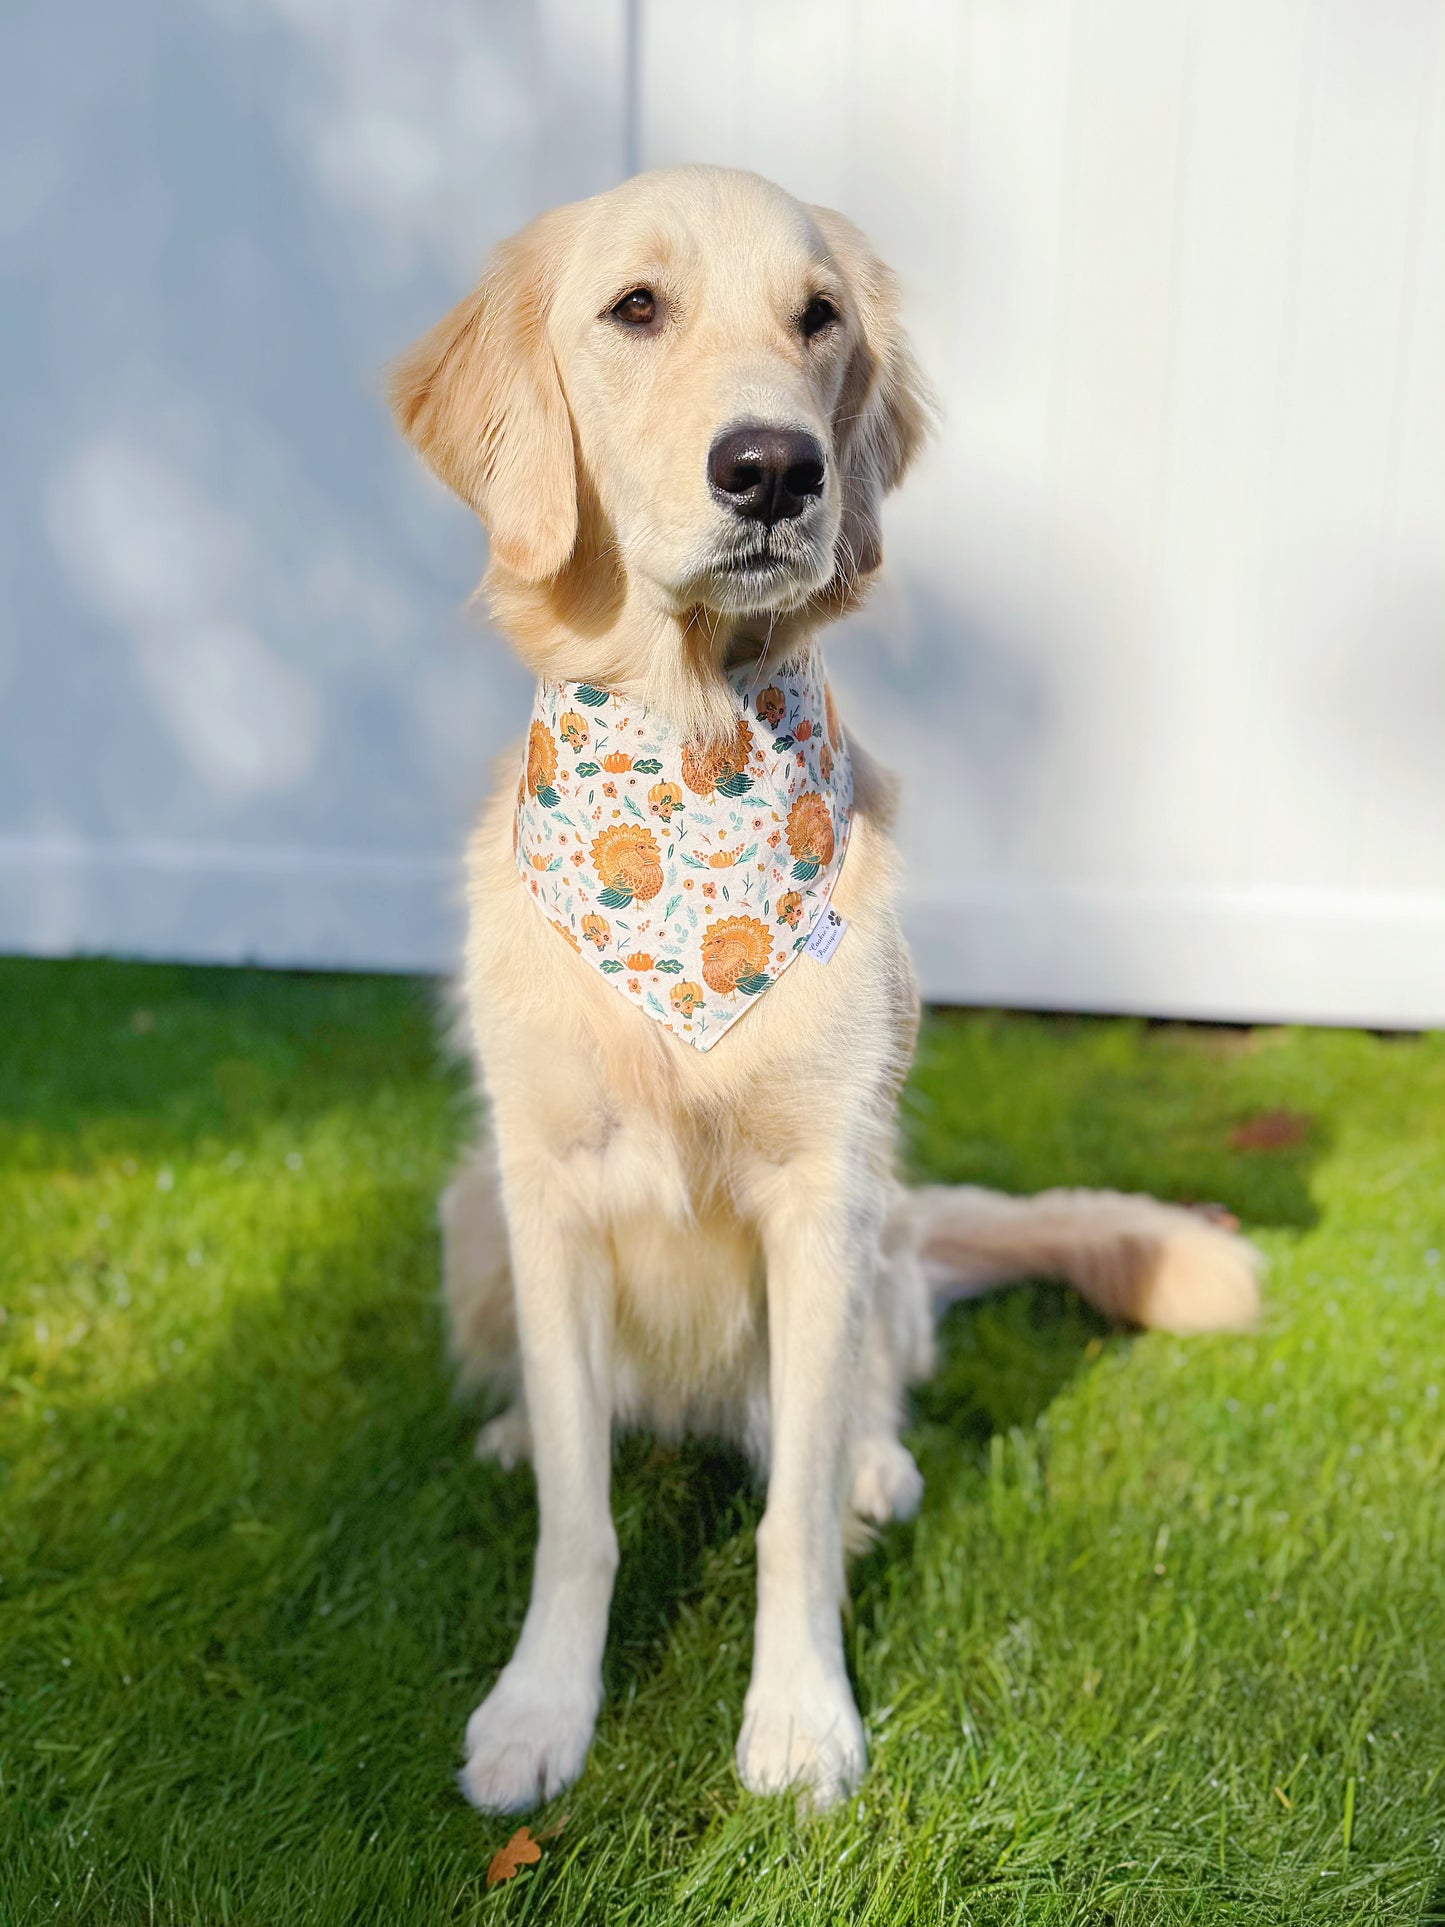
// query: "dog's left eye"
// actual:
[[818, 315], [638, 308]]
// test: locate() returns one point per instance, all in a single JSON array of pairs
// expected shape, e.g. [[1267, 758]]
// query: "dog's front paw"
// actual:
[[806, 1736], [886, 1482], [525, 1742]]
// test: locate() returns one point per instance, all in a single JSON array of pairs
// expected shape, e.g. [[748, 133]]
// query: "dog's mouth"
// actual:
[[774, 572], [759, 562]]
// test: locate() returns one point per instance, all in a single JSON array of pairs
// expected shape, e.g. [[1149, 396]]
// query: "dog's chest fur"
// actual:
[[688, 1282]]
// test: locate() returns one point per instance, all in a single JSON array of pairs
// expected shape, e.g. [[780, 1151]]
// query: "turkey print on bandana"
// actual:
[[689, 878]]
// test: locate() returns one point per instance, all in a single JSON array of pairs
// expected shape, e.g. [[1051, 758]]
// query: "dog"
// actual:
[[676, 409]]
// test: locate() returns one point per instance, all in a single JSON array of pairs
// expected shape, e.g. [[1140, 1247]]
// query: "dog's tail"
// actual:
[[1168, 1266]]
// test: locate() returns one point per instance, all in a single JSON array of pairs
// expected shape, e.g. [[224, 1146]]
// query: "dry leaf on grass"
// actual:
[[520, 1851], [1219, 1214], [1271, 1131]]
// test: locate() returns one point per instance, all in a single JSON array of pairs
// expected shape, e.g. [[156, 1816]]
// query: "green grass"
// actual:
[[1166, 1644]]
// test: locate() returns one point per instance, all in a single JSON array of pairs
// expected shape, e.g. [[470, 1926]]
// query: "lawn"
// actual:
[[1166, 1644]]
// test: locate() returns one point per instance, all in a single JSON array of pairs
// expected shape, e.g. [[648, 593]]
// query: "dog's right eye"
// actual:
[[638, 309], [818, 315]]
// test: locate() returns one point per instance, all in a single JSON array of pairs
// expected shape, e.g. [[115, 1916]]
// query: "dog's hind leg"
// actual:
[[506, 1440], [886, 1483], [477, 1293]]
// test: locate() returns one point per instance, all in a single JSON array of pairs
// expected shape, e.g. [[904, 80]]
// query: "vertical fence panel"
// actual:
[[1162, 642], [1163, 648]]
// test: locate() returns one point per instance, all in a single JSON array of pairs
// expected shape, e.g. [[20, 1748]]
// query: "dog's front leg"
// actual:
[[529, 1737], [800, 1724]]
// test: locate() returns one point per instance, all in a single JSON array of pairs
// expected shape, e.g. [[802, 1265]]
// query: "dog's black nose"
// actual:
[[765, 474]]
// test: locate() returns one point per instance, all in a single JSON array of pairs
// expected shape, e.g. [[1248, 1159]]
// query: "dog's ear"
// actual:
[[885, 411], [479, 397]]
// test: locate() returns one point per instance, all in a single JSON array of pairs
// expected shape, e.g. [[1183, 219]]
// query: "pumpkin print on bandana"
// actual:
[[689, 877]]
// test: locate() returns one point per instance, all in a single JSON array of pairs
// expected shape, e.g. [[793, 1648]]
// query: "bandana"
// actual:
[[689, 878]]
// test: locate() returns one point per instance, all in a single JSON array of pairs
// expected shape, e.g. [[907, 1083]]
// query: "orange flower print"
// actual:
[[634, 986], [771, 706], [610, 789], [628, 864], [810, 835], [564, 932], [835, 733], [720, 766], [825, 763], [596, 930], [617, 762], [709, 889], [572, 728], [639, 960], [685, 998], [735, 956], [541, 763], [663, 799], [803, 731], [790, 909]]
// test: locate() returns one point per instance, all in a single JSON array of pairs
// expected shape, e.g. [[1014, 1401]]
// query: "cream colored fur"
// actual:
[[649, 1234]]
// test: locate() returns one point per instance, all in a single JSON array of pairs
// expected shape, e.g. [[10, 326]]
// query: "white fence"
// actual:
[[1163, 646]]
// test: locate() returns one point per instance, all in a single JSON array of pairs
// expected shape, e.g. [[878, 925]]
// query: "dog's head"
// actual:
[[694, 375]]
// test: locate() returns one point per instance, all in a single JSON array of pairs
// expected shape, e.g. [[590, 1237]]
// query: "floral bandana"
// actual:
[[690, 878]]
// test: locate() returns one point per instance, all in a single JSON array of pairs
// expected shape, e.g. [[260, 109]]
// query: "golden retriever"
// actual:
[[708, 1241]]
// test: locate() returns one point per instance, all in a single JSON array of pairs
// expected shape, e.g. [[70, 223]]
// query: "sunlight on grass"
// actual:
[[1167, 1642]]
